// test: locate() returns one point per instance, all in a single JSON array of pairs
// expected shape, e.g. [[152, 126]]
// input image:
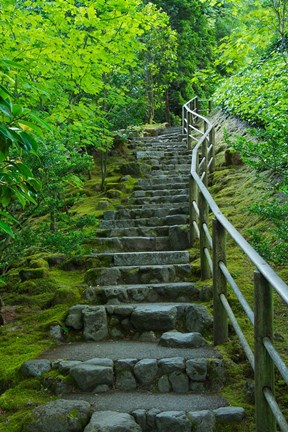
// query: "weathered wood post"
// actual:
[[204, 154], [212, 152], [219, 283], [204, 243], [264, 366], [193, 197]]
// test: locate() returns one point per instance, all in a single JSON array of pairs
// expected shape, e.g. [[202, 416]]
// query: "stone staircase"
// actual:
[[145, 364]]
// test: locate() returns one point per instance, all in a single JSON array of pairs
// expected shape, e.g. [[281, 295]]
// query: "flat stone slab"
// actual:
[[129, 402], [82, 351], [178, 291], [154, 317], [182, 340], [154, 258], [104, 421]]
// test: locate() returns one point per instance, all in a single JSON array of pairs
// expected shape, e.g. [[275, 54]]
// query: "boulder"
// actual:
[[59, 416], [154, 317], [175, 421], [229, 414], [202, 421], [179, 382], [110, 421], [146, 371], [198, 319], [75, 317], [182, 340], [95, 323], [32, 273], [35, 368], [196, 369], [89, 376], [171, 364]]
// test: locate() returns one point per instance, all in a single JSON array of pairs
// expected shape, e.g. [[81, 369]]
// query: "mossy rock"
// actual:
[[103, 204], [37, 286], [33, 273], [55, 260], [67, 296], [38, 263], [132, 168]]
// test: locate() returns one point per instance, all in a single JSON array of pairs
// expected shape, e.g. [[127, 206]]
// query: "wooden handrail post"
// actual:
[[212, 154], [264, 366], [193, 196], [204, 154], [203, 219], [220, 329]]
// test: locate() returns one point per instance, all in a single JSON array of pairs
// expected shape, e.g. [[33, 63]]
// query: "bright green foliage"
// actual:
[[259, 95], [246, 29], [76, 65], [196, 41], [16, 179]]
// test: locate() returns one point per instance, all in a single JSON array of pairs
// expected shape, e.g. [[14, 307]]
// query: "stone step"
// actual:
[[171, 172], [174, 292], [142, 258], [149, 186], [142, 321], [99, 412], [151, 153], [164, 180], [136, 412], [169, 198], [173, 238], [147, 212], [160, 231], [172, 167], [131, 244], [83, 351], [169, 220], [159, 192], [138, 274], [162, 156], [176, 240], [162, 375]]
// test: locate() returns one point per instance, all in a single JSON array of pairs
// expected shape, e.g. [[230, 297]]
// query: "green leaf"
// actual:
[[4, 227], [5, 110], [41, 122]]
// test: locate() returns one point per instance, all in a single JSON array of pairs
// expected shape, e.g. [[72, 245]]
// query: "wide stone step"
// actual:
[[175, 219], [172, 167], [138, 274], [100, 413], [160, 179], [159, 192], [164, 171], [148, 212], [162, 375], [143, 258], [169, 198], [160, 231], [178, 414], [149, 186], [174, 292], [137, 321], [131, 244], [164, 157]]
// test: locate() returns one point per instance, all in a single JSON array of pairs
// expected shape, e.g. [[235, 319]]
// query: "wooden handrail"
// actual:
[[265, 355]]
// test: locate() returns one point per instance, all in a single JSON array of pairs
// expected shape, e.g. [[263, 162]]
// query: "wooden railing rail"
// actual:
[[200, 135]]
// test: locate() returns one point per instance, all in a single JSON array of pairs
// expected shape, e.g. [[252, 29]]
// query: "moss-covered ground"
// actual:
[[34, 305]]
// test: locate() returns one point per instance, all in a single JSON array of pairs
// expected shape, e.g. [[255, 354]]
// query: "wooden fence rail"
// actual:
[[200, 135]]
